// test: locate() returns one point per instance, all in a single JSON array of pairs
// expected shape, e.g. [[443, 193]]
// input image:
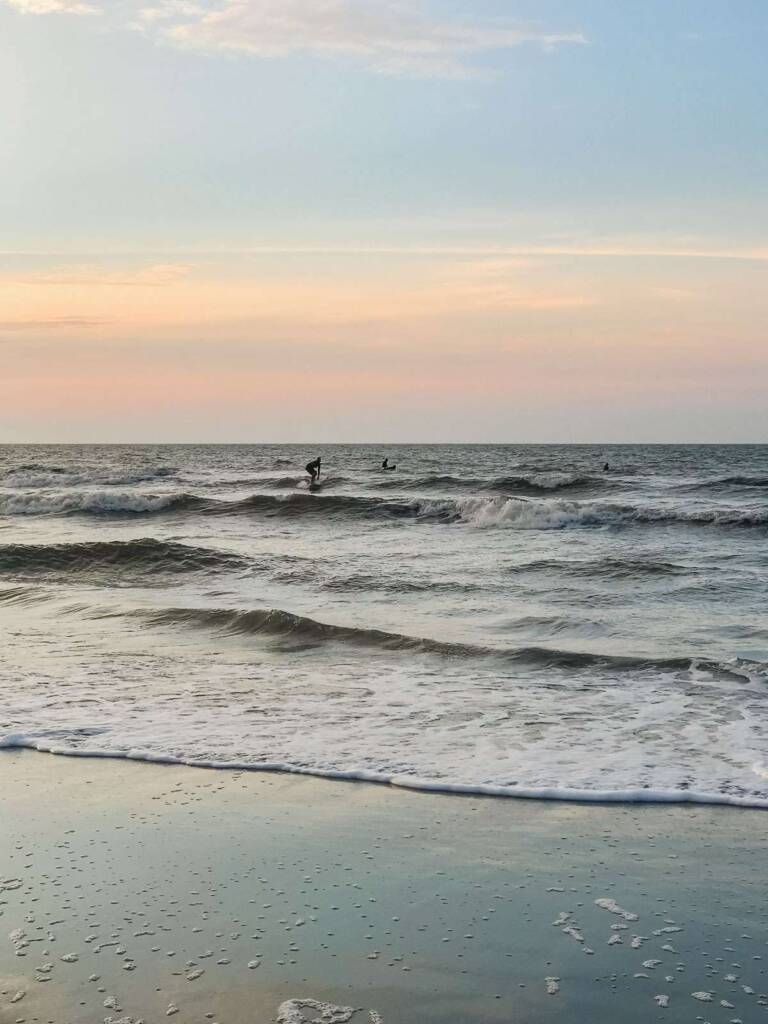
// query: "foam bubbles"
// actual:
[[292, 1011]]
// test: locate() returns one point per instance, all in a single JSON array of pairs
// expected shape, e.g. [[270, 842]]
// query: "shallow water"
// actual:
[[502, 618]]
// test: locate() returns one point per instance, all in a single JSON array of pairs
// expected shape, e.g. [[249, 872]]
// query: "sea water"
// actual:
[[502, 619]]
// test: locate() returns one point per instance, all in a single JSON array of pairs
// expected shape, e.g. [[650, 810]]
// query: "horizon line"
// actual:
[[384, 444]]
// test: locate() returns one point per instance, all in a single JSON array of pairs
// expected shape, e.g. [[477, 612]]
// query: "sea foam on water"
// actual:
[[503, 620]]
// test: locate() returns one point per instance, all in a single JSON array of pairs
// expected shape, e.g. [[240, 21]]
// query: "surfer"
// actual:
[[313, 468], [385, 464]]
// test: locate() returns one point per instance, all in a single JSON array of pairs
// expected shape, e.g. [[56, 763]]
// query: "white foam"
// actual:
[[524, 514], [36, 504], [609, 904], [628, 796], [90, 684], [553, 480], [292, 1012], [557, 514]]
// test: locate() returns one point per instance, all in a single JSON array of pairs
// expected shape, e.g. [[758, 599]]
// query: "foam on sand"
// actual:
[[606, 903], [20, 741], [292, 1011], [354, 870]]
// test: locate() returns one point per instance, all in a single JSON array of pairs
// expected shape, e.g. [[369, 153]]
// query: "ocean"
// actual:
[[503, 619]]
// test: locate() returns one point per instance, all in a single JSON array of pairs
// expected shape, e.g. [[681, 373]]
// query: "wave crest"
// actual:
[[92, 502], [606, 568], [529, 484], [500, 511], [301, 632], [144, 554], [726, 483], [36, 476]]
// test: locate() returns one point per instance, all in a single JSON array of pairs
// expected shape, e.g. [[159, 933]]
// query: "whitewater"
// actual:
[[501, 619]]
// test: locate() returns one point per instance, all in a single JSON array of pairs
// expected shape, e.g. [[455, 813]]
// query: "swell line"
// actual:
[[144, 553], [482, 512], [304, 632]]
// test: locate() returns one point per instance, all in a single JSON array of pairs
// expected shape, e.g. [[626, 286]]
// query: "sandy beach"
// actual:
[[132, 892]]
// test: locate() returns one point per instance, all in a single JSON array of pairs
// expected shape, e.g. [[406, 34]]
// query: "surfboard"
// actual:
[[315, 487]]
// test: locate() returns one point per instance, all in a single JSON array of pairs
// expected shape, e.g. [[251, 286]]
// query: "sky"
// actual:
[[374, 220]]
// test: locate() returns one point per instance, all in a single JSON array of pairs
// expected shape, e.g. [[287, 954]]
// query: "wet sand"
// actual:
[[132, 892]]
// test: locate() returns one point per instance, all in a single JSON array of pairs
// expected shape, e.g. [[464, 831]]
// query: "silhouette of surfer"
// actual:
[[313, 468], [385, 464], [606, 467]]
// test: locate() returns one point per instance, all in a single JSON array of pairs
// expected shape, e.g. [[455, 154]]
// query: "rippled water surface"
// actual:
[[501, 618]]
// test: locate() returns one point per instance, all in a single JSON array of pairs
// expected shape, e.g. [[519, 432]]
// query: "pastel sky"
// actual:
[[374, 220]]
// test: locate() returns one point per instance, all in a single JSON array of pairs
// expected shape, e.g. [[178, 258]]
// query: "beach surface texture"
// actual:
[[134, 892]]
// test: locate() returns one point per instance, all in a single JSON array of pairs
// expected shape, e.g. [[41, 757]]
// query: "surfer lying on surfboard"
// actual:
[[313, 468]]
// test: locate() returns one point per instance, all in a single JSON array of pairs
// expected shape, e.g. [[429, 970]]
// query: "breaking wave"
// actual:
[[511, 621], [556, 514], [93, 503], [480, 512]]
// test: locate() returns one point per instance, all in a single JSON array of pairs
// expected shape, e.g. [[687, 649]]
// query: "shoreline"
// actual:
[[652, 797], [226, 895]]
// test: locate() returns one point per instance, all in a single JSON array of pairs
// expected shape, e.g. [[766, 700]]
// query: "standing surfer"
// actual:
[[313, 468]]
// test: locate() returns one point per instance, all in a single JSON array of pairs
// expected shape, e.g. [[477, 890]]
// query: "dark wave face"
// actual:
[[33, 467], [367, 584], [297, 632], [531, 484], [606, 568], [145, 554], [726, 483], [311, 505]]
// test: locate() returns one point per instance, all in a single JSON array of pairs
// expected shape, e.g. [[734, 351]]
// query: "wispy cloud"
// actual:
[[756, 254], [53, 7], [386, 36], [618, 250], [152, 276], [56, 324]]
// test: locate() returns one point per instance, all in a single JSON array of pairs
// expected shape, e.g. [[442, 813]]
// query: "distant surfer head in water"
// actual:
[[313, 468]]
